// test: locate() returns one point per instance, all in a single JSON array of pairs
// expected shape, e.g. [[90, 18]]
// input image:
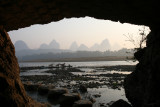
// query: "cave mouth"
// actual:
[[141, 86], [32, 83]]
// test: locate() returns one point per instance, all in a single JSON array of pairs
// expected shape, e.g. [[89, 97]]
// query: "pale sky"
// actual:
[[86, 31]]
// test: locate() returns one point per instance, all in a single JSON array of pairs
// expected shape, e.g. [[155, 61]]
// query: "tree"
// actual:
[[138, 41]]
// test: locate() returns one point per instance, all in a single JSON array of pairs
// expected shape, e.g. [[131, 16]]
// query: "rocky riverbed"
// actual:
[[87, 84]]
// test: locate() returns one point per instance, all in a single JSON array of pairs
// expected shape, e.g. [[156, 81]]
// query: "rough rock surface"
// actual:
[[56, 93], [12, 93], [44, 89], [23, 13], [31, 87], [142, 86], [82, 103], [68, 99], [120, 103]]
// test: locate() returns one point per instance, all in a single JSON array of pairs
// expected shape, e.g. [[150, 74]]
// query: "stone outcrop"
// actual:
[[31, 87], [55, 94], [82, 103], [44, 89], [142, 86], [12, 93], [120, 103], [68, 99], [83, 88]]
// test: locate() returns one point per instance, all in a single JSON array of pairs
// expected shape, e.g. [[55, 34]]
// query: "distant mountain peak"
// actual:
[[74, 46], [43, 46], [95, 47], [20, 45], [52, 45], [105, 45], [83, 47]]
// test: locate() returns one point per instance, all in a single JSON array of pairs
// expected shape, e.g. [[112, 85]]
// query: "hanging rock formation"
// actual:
[[15, 14], [141, 86]]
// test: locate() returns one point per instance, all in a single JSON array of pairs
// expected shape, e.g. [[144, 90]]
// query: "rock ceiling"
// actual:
[[15, 14]]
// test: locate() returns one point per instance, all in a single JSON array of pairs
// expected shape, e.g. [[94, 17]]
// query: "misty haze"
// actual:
[[52, 51]]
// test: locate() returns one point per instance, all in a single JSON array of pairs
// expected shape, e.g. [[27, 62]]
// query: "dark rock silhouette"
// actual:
[[142, 86], [41, 12], [56, 93], [120, 103], [31, 87], [20, 45], [44, 89], [83, 88], [68, 99]]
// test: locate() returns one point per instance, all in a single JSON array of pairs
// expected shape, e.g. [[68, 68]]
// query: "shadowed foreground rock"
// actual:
[[82, 103], [68, 99], [120, 103], [55, 94], [31, 87], [142, 86], [44, 89], [12, 92]]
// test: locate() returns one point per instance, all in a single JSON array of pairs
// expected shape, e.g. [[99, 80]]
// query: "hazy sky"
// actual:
[[86, 31]]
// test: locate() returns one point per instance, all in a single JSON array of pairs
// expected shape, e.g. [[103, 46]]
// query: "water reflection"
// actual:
[[100, 84]]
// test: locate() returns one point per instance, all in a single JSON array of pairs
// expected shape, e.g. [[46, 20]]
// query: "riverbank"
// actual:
[[93, 81], [83, 59]]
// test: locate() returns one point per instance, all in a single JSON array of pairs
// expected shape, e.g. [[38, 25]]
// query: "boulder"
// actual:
[[31, 87], [68, 99], [54, 94], [83, 88], [44, 89], [82, 103], [120, 103]]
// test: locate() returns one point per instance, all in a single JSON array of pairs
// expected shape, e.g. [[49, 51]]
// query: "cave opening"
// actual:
[[108, 61], [141, 86]]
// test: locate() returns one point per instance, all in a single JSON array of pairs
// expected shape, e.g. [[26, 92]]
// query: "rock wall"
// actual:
[[142, 86], [12, 93]]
